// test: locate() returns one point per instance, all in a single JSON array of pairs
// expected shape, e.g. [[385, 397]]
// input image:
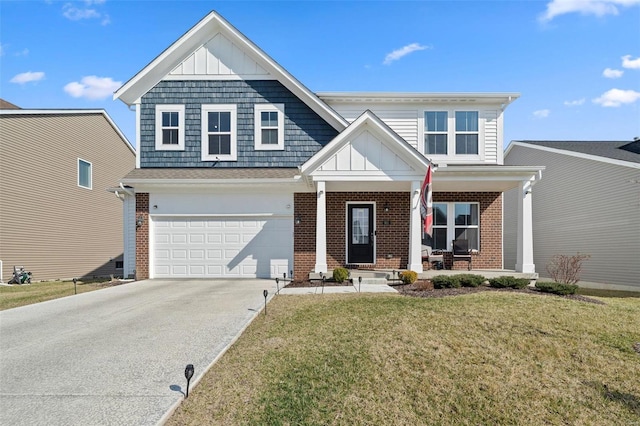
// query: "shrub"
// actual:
[[340, 275], [508, 282], [557, 288], [470, 280], [445, 281], [566, 269], [408, 277]]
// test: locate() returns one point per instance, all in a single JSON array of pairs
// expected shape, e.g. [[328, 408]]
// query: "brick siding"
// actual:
[[142, 237], [393, 227]]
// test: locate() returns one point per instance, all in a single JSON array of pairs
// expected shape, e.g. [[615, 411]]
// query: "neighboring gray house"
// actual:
[[56, 217], [588, 202]]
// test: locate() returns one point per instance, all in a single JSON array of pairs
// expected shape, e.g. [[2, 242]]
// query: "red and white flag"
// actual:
[[426, 205]]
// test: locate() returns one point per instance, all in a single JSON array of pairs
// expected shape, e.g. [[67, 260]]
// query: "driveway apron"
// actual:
[[117, 356]]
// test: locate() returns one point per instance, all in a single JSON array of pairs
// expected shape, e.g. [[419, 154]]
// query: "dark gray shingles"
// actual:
[[617, 150]]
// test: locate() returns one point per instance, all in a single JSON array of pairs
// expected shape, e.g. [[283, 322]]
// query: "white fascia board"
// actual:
[[162, 65], [387, 97], [400, 147], [572, 154], [365, 177], [489, 173], [72, 112]]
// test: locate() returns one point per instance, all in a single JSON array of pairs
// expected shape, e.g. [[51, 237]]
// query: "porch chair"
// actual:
[[436, 261], [461, 251]]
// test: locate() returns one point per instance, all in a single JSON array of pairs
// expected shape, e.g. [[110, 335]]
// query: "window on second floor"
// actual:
[[269, 126], [170, 127], [435, 132], [219, 132], [466, 132], [451, 131], [84, 174]]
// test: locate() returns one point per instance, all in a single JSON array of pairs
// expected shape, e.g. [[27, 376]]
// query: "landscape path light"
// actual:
[[75, 287], [188, 374], [359, 283], [265, 293]]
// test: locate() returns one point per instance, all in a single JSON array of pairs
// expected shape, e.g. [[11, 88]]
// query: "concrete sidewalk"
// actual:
[[117, 356]]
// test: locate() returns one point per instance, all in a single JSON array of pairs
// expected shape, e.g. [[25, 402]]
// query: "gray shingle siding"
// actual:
[[305, 133]]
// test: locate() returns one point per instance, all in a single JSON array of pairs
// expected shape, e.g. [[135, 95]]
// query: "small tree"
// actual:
[[566, 269]]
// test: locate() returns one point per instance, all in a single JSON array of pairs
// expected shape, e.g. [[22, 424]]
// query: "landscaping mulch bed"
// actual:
[[424, 288]]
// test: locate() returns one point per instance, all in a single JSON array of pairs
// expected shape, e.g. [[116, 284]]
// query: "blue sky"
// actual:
[[575, 63]]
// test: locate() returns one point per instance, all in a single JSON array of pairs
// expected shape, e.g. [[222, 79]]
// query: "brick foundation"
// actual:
[[142, 237]]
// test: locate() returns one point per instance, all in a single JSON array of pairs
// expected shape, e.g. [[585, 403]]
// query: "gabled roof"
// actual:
[[391, 155], [32, 113], [612, 150], [7, 105], [200, 34]]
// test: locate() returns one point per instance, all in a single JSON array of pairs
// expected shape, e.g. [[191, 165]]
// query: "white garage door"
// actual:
[[255, 247]]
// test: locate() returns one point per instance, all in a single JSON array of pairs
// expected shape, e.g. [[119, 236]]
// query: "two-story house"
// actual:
[[242, 171]]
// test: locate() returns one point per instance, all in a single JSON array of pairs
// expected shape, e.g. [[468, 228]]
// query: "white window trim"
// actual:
[[181, 120], [259, 108], [90, 174], [451, 223], [425, 132], [204, 123], [451, 155]]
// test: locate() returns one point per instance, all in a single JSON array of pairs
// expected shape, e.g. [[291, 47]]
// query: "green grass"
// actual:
[[485, 358], [607, 293], [26, 294]]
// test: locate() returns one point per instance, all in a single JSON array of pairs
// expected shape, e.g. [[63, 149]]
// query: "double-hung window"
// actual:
[[466, 132], [452, 221], [170, 127], [84, 174], [269, 126], [435, 132], [219, 132]]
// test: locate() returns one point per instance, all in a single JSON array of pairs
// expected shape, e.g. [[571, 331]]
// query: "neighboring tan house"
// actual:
[[56, 217], [244, 172], [588, 202]]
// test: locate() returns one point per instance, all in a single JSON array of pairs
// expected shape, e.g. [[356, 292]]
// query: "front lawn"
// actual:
[[26, 294], [484, 358]]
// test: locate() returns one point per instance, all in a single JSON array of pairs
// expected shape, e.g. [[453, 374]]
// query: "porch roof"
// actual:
[[480, 178]]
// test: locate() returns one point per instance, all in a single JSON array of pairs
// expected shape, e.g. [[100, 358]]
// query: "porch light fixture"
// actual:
[[386, 207], [188, 374], [139, 221], [298, 219]]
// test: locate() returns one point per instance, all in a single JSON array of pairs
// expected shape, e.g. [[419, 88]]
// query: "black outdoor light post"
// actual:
[[277, 285], [265, 293], [75, 287], [359, 283], [188, 374]]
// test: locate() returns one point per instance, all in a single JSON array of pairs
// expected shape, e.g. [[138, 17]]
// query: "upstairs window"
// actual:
[[466, 132], [170, 127], [435, 132], [219, 132], [84, 174], [269, 126]]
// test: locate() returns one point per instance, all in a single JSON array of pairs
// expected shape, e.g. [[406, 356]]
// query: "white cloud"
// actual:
[[26, 77], [74, 13], [617, 97], [541, 113], [3, 48], [403, 51], [627, 62], [23, 52], [584, 7], [611, 73], [577, 102], [92, 87]]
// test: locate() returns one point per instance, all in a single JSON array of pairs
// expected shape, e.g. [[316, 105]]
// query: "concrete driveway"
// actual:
[[117, 356]]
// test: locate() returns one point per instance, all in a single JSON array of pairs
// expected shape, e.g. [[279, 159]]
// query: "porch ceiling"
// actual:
[[483, 178]]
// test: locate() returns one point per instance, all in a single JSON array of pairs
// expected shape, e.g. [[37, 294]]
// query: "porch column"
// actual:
[[415, 233], [524, 262], [321, 228]]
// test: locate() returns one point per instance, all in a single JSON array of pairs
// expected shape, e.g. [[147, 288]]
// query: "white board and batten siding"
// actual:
[[226, 236], [586, 206], [408, 123], [219, 57]]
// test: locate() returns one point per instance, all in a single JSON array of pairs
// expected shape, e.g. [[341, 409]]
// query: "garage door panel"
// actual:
[[222, 247]]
